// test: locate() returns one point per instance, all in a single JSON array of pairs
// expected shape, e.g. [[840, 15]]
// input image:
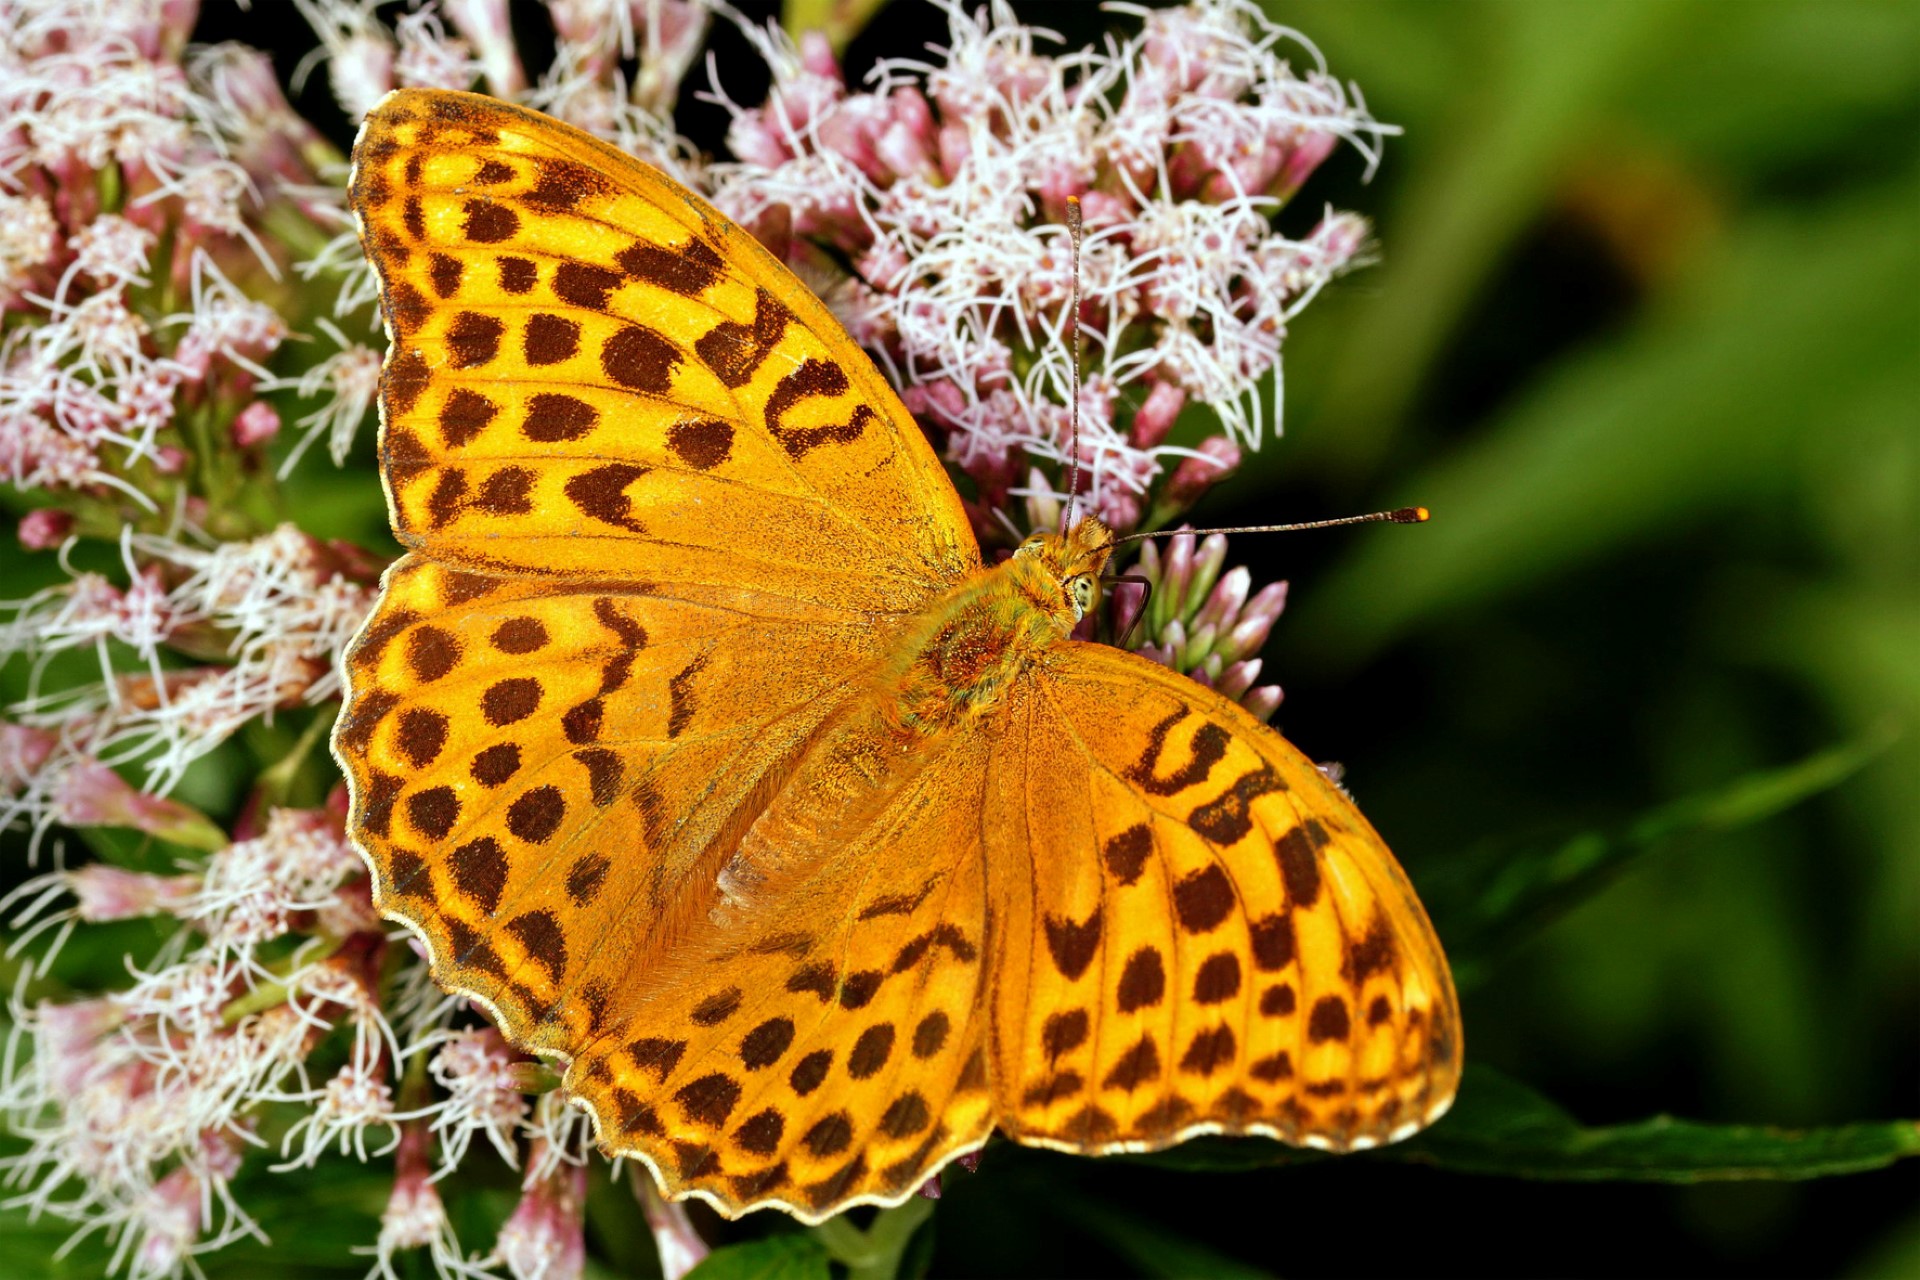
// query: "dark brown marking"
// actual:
[[813, 378], [495, 764], [420, 735], [1371, 954], [1073, 945], [1329, 1020], [635, 1115], [1296, 853], [584, 285], [490, 223], [830, 1136], [973, 1076], [708, 1100], [1229, 818], [458, 588], [810, 1071], [1090, 1124], [1136, 1066], [702, 443], [819, 978], [686, 269], [947, 935], [1127, 852], [752, 1186], [480, 872], [795, 945], [449, 494], [1218, 979], [905, 1116], [763, 1046], [1053, 1089], [474, 339], [1273, 1069], [871, 1051], [389, 248], [407, 308], [1064, 1032], [509, 701], [540, 933], [407, 873], [492, 173], [1208, 1051], [602, 494], [1203, 900], [680, 706], [562, 184], [1209, 744], [433, 811], [470, 950], [520, 635], [402, 453], [899, 904], [760, 1133], [1165, 1115], [581, 723], [604, 774], [375, 639], [733, 350], [550, 339], [657, 1056], [374, 189], [517, 275], [585, 877], [1379, 1011], [537, 814], [464, 416], [695, 1160], [717, 1008], [507, 492], [1274, 946], [1278, 1002], [1325, 1088], [431, 653], [639, 358], [383, 791], [858, 990], [444, 273], [931, 1035], [1143, 982], [368, 711], [413, 217]]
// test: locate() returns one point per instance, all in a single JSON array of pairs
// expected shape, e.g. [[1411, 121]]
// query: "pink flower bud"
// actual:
[[92, 795], [1194, 476], [45, 529], [106, 892], [486, 26], [545, 1238], [816, 55], [1156, 416], [675, 1239], [1262, 702], [1299, 162], [258, 423], [169, 460]]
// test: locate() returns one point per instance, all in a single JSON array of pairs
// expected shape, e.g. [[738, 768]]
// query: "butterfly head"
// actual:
[[1069, 563]]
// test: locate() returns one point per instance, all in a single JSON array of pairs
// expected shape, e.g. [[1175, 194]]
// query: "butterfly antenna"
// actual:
[[1399, 515], [1073, 373]]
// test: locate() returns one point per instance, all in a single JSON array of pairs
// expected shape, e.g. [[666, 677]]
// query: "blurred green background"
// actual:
[[1645, 335]]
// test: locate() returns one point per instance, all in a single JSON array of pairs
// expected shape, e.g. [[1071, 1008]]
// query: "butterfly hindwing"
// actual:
[[594, 374], [1211, 937]]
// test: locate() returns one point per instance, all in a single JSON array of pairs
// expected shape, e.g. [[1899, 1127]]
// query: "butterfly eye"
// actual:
[[1079, 591]]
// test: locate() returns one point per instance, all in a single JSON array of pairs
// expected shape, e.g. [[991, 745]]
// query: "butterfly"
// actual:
[[699, 747]]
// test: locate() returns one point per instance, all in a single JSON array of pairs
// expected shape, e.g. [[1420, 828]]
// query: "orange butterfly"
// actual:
[[700, 748]]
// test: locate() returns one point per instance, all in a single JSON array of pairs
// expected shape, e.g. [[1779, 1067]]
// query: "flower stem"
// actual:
[[874, 1254]]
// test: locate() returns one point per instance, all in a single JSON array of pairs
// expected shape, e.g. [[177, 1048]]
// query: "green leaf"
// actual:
[[1500, 1126], [1155, 1250], [794, 1255], [1489, 899]]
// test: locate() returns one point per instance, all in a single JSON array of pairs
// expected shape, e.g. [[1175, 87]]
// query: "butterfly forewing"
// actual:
[[594, 374], [1219, 942]]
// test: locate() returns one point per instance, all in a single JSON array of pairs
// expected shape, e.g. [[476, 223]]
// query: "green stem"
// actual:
[[271, 995], [874, 1254]]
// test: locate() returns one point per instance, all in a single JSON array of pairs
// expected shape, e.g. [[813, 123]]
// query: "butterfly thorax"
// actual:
[[977, 639]]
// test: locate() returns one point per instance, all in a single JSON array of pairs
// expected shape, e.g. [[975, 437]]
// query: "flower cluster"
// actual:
[[946, 189], [186, 313]]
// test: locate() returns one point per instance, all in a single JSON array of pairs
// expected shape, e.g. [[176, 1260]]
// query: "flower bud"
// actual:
[[45, 529]]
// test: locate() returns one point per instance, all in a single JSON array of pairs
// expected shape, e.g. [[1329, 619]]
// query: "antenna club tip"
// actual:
[[1412, 515]]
